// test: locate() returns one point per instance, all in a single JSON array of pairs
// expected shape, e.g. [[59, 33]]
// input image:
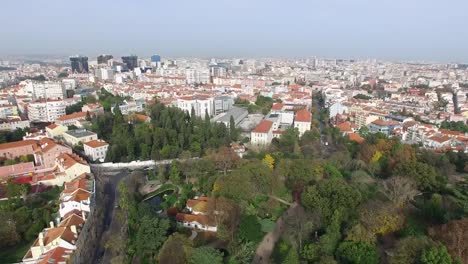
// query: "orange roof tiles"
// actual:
[[440, 139], [187, 218], [18, 144], [355, 137], [73, 116], [344, 127], [263, 127], [56, 256], [52, 126], [302, 116], [277, 106], [96, 143]]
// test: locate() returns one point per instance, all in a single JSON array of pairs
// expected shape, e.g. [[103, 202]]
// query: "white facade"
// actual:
[[197, 76], [302, 127], [200, 104], [70, 203], [46, 111], [45, 90], [96, 150]]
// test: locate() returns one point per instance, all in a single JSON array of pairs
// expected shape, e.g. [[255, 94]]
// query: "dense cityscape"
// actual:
[[157, 160]]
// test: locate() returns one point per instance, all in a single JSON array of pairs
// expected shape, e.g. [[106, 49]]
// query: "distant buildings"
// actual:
[[104, 59], [130, 61], [156, 58], [79, 64]]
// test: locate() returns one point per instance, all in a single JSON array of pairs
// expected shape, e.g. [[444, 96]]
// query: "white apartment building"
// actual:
[[45, 90], [46, 111], [197, 76], [69, 84], [128, 107], [262, 134], [302, 121], [200, 103], [96, 149]]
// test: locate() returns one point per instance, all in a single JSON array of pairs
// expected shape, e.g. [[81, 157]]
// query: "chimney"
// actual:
[[83, 215], [73, 229], [41, 239], [52, 224]]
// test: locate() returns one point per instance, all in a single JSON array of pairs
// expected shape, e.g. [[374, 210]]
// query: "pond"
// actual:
[[155, 201]]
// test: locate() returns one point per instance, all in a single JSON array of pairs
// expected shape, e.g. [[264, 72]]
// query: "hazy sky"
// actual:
[[387, 29]]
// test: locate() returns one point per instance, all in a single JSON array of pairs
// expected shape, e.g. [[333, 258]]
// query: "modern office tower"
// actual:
[[155, 58], [79, 64], [104, 59], [131, 61]]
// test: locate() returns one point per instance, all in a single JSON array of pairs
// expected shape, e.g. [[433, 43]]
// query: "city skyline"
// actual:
[[397, 30]]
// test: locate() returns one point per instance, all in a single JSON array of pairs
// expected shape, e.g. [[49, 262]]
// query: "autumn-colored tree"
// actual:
[[454, 235], [269, 161], [399, 190], [224, 212], [176, 250], [224, 158]]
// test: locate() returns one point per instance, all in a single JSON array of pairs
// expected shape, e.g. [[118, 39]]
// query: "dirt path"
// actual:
[[265, 248]]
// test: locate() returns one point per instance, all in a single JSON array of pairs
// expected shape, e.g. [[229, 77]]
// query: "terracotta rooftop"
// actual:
[[201, 219], [440, 139], [302, 116], [56, 256], [70, 160], [76, 115], [344, 127], [380, 122], [96, 143], [17, 144], [263, 127], [52, 126], [355, 137], [277, 106]]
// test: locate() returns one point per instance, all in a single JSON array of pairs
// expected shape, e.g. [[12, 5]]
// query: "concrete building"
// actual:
[[8, 110], [96, 149], [46, 111], [222, 104], [303, 121], [68, 120], [128, 107], [74, 137], [200, 103], [236, 112], [45, 90], [79, 64], [262, 134]]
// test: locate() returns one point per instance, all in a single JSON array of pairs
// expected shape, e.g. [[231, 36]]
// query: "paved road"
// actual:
[[265, 248], [109, 196]]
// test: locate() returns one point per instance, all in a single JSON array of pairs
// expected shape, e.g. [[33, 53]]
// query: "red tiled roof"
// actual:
[[302, 116], [355, 137], [440, 139], [95, 143], [344, 127], [52, 126], [263, 127], [187, 218], [277, 106], [17, 144], [72, 116], [380, 122], [56, 256]]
